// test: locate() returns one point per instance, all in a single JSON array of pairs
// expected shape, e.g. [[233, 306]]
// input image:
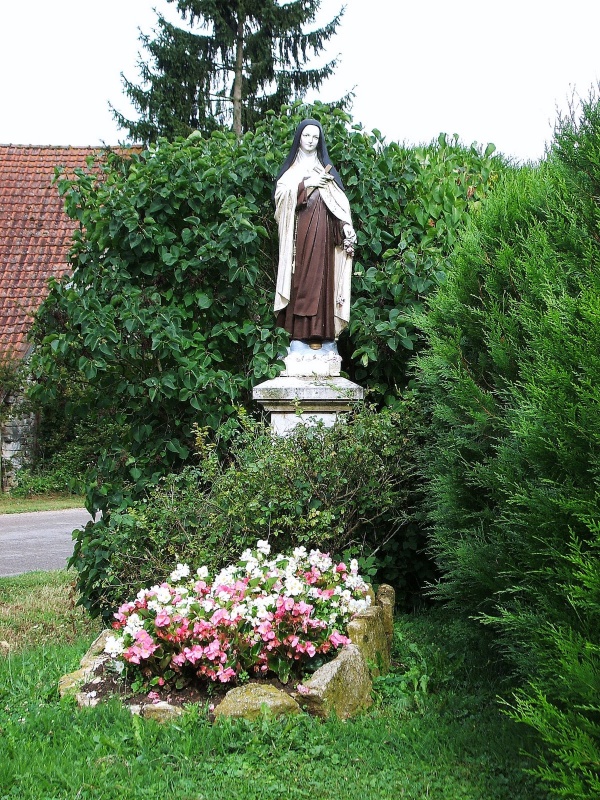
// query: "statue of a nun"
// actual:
[[316, 242]]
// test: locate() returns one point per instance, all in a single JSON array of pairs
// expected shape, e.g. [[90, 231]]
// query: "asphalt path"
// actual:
[[40, 540]]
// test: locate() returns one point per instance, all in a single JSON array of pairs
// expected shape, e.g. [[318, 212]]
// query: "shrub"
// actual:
[[349, 490], [513, 378]]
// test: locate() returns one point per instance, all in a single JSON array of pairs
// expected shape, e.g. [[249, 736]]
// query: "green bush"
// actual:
[[346, 490], [513, 378], [167, 315]]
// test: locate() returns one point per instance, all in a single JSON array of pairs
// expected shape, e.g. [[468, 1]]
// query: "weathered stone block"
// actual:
[[252, 700], [367, 632], [341, 687], [386, 599]]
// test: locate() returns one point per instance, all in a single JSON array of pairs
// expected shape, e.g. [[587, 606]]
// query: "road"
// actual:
[[38, 540]]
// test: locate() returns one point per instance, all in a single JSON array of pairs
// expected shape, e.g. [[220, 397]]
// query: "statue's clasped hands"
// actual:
[[317, 180]]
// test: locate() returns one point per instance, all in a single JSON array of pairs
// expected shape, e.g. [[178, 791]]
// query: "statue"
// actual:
[[316, 242]]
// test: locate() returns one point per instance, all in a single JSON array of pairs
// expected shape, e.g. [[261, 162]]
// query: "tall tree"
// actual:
[[244, 58]]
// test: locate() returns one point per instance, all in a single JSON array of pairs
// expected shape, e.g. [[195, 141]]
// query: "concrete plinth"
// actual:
[[298, 400]]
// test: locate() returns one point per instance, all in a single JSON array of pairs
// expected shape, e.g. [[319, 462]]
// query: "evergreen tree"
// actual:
[[247, 56]]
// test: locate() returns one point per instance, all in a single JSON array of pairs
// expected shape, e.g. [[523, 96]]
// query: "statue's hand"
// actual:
[[317, 180], [349, 233]]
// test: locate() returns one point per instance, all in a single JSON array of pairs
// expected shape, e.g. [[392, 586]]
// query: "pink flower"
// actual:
[[310, 649], [143, 648], [225, 675], [194, 653], [219, 616], [213, 651], [302, 689], [162, 619], [154, 696], [337, 640], [341, 567]]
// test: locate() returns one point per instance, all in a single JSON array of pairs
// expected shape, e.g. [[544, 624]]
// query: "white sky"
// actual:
[[488, 71]]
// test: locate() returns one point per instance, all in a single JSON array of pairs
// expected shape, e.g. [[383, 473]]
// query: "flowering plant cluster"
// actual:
[[256, 616]]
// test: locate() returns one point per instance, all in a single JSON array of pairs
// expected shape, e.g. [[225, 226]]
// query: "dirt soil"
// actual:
[[206, 694]]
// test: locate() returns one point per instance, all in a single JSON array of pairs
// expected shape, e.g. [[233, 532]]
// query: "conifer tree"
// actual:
[[239, 59]]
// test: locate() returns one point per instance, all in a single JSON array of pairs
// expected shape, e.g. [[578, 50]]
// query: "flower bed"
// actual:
[[286, 615]]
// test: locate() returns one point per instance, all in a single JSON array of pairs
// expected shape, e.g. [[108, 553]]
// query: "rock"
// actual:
[[86, 699], [341, 687], [95, 654], [251, 700], [69, 684], [367, 632], [386, 599], [160, 712]]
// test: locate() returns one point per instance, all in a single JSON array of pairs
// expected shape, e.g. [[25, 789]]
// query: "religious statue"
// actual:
[[316, 242]]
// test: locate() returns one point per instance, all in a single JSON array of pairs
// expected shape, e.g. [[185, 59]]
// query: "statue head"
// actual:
[[313, 127]]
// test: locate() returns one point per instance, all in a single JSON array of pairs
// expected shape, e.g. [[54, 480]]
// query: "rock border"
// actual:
[[342, 687]]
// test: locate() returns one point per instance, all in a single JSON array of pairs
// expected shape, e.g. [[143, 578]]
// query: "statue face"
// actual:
[[309, 139]]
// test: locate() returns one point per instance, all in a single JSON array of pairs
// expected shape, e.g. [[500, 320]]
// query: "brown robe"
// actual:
[[310, 312]]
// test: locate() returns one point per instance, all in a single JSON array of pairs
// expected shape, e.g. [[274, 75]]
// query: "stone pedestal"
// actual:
[[303, 400]]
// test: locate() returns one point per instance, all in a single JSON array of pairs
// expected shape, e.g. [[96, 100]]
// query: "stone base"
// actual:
[[303, 400]]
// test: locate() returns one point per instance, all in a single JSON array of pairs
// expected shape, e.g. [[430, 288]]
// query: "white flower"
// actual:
[[251, 565], [202, 572], [182, 571], [354, 581], [141, 596], [263, 547], [154, 606], [354, 566], [299, 553], [163, 595], [114, 647], [118, 666], [134, 624], [292, 586]]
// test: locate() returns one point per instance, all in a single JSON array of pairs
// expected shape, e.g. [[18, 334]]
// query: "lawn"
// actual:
[[436, 730], [53, 502]]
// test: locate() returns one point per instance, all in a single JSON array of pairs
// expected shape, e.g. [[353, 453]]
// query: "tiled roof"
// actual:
[[35, 234]]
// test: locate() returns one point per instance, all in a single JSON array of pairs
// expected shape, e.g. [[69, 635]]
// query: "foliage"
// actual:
[[411, 204], [458, 747], [65, 457], [168, 312], [236, 62], [260, 615], [349, 490], [513, 376]]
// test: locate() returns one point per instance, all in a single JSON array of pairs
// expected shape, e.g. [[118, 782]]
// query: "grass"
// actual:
[[52, 502], [435, 731]]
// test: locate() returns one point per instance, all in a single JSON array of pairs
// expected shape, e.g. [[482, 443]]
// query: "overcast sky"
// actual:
[[489, 71]]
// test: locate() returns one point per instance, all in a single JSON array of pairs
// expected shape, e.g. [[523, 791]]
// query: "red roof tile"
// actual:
[[35, 234]]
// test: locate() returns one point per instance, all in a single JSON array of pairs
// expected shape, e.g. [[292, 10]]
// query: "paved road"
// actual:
[[38, 540]]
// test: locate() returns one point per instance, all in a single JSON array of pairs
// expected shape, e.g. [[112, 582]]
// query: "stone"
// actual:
[[386, 599], [252, 700], [86, 699], [159, 712], [306, 400], [96, 655], [70, 683], [341, 687], [367, 632]]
